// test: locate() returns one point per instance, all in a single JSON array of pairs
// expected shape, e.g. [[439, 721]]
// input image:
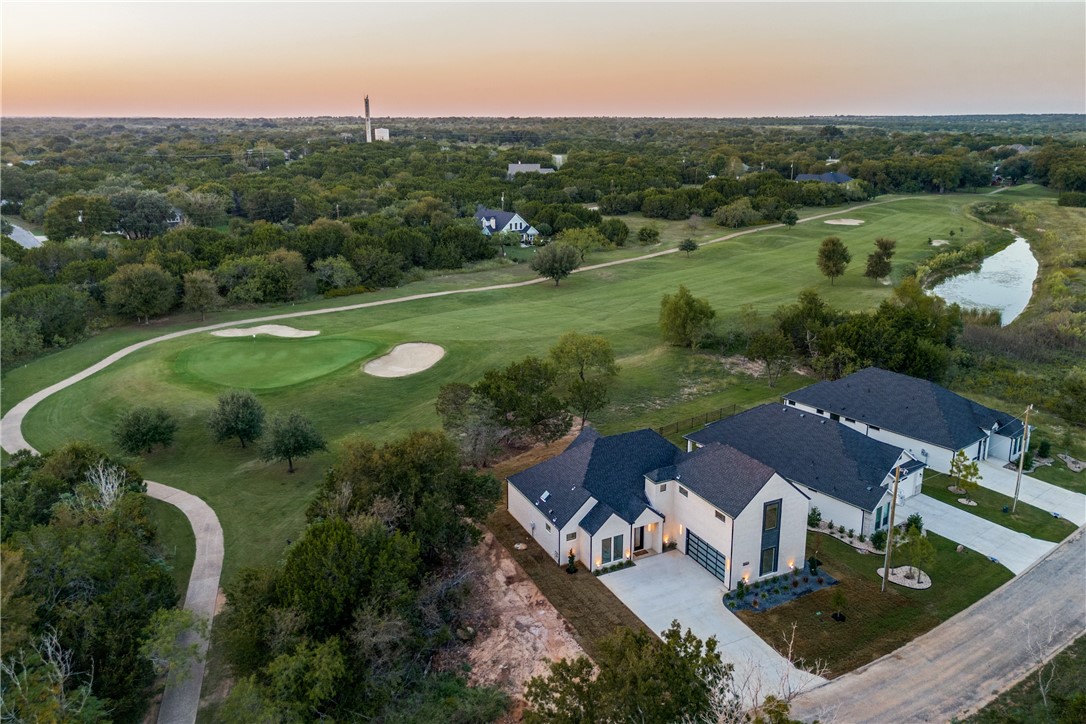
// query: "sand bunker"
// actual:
[[844, 222], [404, 360], [275, 330], [939, 242]]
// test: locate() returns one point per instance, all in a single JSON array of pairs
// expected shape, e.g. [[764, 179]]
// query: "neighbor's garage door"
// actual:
[[708, 557]]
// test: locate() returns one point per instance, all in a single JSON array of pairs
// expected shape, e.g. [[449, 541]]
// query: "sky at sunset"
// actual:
[[266, 59]]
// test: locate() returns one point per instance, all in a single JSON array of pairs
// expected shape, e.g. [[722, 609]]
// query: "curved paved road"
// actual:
[[959, 666], [180, 703]]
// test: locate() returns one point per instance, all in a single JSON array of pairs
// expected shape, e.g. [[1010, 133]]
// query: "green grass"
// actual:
[[261, 506], [877, 622], [264, 363], [1025, 518], [1023, 704], [177, 540]]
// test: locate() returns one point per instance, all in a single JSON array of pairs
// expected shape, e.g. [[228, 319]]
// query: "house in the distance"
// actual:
[[929, 421], [830, 177], [493, 221], [518, 167], [849, 477], [609, 499]]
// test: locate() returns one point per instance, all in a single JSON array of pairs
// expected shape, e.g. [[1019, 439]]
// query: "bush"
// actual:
[[862, 537], [840, 529], [851, 533], [347, 291], [1072, 198], [1028, 462], [878, 539], [1044, 449], [814, 517], [915, 520]]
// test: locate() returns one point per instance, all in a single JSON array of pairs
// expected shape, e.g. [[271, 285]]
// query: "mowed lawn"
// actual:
[[876, 622], [261, 506]]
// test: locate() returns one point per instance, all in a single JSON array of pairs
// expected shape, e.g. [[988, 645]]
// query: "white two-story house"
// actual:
[[492, 221]]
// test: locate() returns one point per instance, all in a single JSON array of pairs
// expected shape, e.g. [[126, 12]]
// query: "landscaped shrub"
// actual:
[[812, 564], [878, 539], [915, 520], [862, 537], [1044, 449], [795, 584], [814, 517], [821, 580], [1028, 462], [830, 525], [840, 529], [851, 533]]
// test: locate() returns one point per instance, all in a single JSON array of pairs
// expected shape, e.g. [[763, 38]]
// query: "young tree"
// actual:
[[677, 677], [239, 415], [773, 350], [201, 293], [583, 240], [684, 319], [918, 551], [833, 257], [141, 291], [292, 437], [586, 371], [555, 261], [965, 473], [141, 428], [688, 245], [878, 266], [790, 218]]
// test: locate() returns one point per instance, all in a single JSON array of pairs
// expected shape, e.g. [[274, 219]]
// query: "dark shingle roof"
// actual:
[[809, 450], [610, 469], [595, 518], [909, 406], [483, 215], [722, 475]]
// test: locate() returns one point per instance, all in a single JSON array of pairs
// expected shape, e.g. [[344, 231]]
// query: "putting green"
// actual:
[[267, 363]]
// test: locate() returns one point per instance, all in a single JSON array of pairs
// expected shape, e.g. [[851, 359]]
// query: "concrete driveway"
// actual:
[[1039, 494], [670, 586], [1016, 551]]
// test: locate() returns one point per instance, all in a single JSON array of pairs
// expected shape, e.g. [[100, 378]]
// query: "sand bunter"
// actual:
[[273, 330], [405, 359]]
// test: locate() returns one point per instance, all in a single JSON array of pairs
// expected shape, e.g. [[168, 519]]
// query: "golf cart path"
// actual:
[[962, 664]]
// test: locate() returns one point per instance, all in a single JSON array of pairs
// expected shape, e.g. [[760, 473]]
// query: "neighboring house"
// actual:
[[928, 420], [493, 222], [176, 217], [381, 134], [849, 477], [831, 177], [518, 167], [608, 499]]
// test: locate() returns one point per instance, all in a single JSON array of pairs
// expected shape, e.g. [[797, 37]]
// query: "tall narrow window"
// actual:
[[772, 516], [769, 561], [606, 557]]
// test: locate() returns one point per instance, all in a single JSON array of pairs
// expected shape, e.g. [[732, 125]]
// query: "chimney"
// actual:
[[369, 135]]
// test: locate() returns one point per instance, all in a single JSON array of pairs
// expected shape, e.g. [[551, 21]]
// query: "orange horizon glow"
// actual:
[[557, 59]]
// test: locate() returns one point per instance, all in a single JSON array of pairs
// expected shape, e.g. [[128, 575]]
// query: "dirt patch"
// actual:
[[520, 632], [273, 330], [738, 364], [405, 359], [844, 222]]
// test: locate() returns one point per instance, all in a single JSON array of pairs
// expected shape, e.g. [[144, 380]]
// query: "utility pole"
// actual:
[[1021, 459], [890, 531]]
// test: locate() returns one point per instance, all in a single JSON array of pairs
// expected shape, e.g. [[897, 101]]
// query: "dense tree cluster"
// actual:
[[83, 578], [346, 626]]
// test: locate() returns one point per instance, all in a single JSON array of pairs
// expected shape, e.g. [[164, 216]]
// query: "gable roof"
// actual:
[[501, 218], [809, 450], [722, 475], [908, 406], [609, 469]]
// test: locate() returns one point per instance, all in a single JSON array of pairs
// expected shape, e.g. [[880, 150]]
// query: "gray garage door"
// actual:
[[706, 556]]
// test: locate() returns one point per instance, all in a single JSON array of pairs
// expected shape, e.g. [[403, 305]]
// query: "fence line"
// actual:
[[690, 423]]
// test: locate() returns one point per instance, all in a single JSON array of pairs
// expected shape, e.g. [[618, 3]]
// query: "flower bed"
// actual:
[[861, 546], [765, 594]]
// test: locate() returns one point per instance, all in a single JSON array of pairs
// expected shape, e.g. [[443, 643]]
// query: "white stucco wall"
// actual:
[[580, 542], [526, 514], [840, 512], [747, 541]]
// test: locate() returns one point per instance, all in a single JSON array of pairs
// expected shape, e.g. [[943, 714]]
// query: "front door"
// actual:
[[639, 538]]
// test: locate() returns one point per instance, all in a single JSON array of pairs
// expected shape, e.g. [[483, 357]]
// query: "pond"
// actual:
[[1004, 282]]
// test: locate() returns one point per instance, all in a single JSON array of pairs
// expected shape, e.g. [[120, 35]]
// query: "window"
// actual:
[[684, 492], [792, 403], [663, 487], [769, 561], [548, 527], [849, 419], [834, 416], [819, 411], [612, 549], [571, 536], [771, 516], [721, 516], [872, 427]]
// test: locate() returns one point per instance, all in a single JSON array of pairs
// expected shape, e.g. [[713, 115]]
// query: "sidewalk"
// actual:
[[1016, 551]]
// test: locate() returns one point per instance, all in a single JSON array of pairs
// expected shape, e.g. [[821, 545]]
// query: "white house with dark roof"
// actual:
[[927, 420], [609, 499], [493, 221], [518, 167], [845, 474]]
